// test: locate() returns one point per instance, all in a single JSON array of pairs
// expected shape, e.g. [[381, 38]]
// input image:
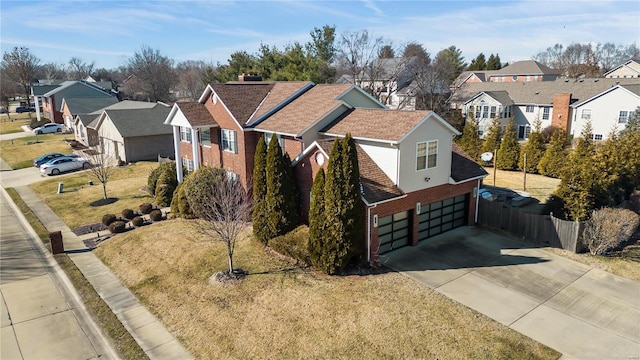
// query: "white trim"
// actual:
[[359, 89], [280, 105], [453, 182], [306, 151], [575, 106]]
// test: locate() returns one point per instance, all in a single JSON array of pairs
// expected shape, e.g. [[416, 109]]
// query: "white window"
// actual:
[[268, 136], [427, 155], [523, 131], [529, 108], [586, 114], [480, 130], [597, 137], [528, 77], [485, 111], [546, 112], [624, 117], [493, 112], [229, 141], [187, 164], [185, 134], [205, 137], [232, 176]]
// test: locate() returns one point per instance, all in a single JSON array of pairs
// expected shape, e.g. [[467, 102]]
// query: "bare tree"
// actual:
[[356, 53], [20, 66], [51, 71], [78, 69], [190, 75], [608, 228], [155, 72], [102, 167], [222, 202], [7, 92]]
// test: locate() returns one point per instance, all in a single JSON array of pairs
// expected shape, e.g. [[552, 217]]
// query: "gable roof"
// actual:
[[138, 122], [305, 110], [525, 67], [381, 124], [463, 168], [501, 96], [281, 94], [76, 89], [632, 88], [633, 65], [88, 105], [40, 90], [242, 98], [541, 92], [375, 184], [196, 114]]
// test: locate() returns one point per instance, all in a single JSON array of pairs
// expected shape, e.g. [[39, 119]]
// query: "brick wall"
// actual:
[[426, 196], [304, 172], [561, 111]]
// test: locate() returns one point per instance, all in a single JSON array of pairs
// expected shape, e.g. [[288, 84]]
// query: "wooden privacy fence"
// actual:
[[541, 230]]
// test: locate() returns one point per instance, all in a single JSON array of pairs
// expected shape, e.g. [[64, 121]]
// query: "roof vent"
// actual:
[[596, 80], [566, 80], [581, 80], [537, 92], [249, 77]]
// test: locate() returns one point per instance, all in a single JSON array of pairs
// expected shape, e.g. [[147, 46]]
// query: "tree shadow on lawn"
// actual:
[[103, 202]]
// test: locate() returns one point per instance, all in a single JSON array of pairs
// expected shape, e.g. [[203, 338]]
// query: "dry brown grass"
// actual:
[[19, 153], [283, 312], [73, 206], [13, 124], [539, 186]]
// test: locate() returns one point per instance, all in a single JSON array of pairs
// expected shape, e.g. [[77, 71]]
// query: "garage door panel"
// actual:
[[395, 233], [442, 216]]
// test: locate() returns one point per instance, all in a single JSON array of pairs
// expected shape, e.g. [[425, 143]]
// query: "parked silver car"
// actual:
[[48, 128], [65, 163]]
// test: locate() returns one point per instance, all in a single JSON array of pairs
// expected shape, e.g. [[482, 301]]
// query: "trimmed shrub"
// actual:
[[293, 244], [152, 180], [128, 214], [137, 221], [108, 219], [155, 215], [146, 208], [165, 187], [117, 227], [180, 203], [608, 228]]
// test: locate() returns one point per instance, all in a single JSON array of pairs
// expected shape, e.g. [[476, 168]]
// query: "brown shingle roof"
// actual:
[[376, 185], [305, 110], [377, 124], [463, 167], [242, 99], [279, 93], [197, 114]]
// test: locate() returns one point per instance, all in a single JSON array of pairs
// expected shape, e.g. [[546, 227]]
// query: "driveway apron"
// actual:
[[582, 312]]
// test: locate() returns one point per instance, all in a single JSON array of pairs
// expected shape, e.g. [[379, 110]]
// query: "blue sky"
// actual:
[[109, 32]]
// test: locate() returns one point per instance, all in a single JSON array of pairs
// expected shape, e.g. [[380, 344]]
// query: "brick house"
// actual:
[[415, 182]]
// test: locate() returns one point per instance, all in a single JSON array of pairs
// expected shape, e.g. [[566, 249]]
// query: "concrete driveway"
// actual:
[[582, 312]]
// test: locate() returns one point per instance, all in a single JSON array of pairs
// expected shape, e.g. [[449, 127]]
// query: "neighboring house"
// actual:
[[607, 111], [383, 79], [52, 100], [73, 106], [519, 71], [415, 182], [132, 131], [550, 102], [630, 69]]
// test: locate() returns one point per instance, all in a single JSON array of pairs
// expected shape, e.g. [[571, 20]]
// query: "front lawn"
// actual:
[[281, 311], [539, 186], [19, 153], [73, 206], [13, 125]]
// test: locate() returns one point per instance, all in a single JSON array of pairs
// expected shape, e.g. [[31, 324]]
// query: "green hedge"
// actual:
[[293, 244]]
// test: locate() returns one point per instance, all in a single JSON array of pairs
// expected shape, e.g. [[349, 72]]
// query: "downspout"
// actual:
[[176, 145], [477, 201]]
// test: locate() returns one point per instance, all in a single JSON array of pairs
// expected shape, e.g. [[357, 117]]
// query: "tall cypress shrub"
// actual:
[[259, 214], [493, 138], [534, 148], [335, 254], [316, 220], [555, 156], [509, 152], [470, 141], [280, 201], [353, 206]]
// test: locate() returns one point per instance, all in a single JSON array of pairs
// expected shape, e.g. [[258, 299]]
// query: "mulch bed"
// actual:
[[89, 228]]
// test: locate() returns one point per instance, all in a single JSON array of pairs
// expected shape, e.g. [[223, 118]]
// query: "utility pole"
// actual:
[[524, 186], [495, 156]]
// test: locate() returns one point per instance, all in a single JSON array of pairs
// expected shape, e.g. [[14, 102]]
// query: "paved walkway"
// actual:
[[42, 316], [582, 312], [145, 328]]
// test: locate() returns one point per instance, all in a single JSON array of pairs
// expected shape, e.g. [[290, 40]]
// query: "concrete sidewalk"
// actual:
[[145, 328], [42, 315]]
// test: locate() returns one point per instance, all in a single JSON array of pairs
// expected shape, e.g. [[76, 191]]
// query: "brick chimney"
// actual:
[[249, 77], [561, 111]]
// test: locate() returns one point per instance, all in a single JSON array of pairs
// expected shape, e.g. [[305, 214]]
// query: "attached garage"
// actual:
[[394, 231], [441, 216]]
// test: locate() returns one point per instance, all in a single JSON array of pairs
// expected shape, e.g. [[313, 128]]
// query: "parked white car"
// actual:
[[62, 164], [48, 128]]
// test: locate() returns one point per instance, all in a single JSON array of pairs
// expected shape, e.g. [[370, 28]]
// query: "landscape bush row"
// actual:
[[117, 224]]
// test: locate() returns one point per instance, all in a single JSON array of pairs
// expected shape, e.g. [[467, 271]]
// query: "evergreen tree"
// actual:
[[534, 148], [260, 214], [279, 200], [610, 163], [555, 157], [470, 141], [509, 151], [353, 207], [479, 63], [578, 184], [316, 220], [493, 63], [335, 253], [493, 138]]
